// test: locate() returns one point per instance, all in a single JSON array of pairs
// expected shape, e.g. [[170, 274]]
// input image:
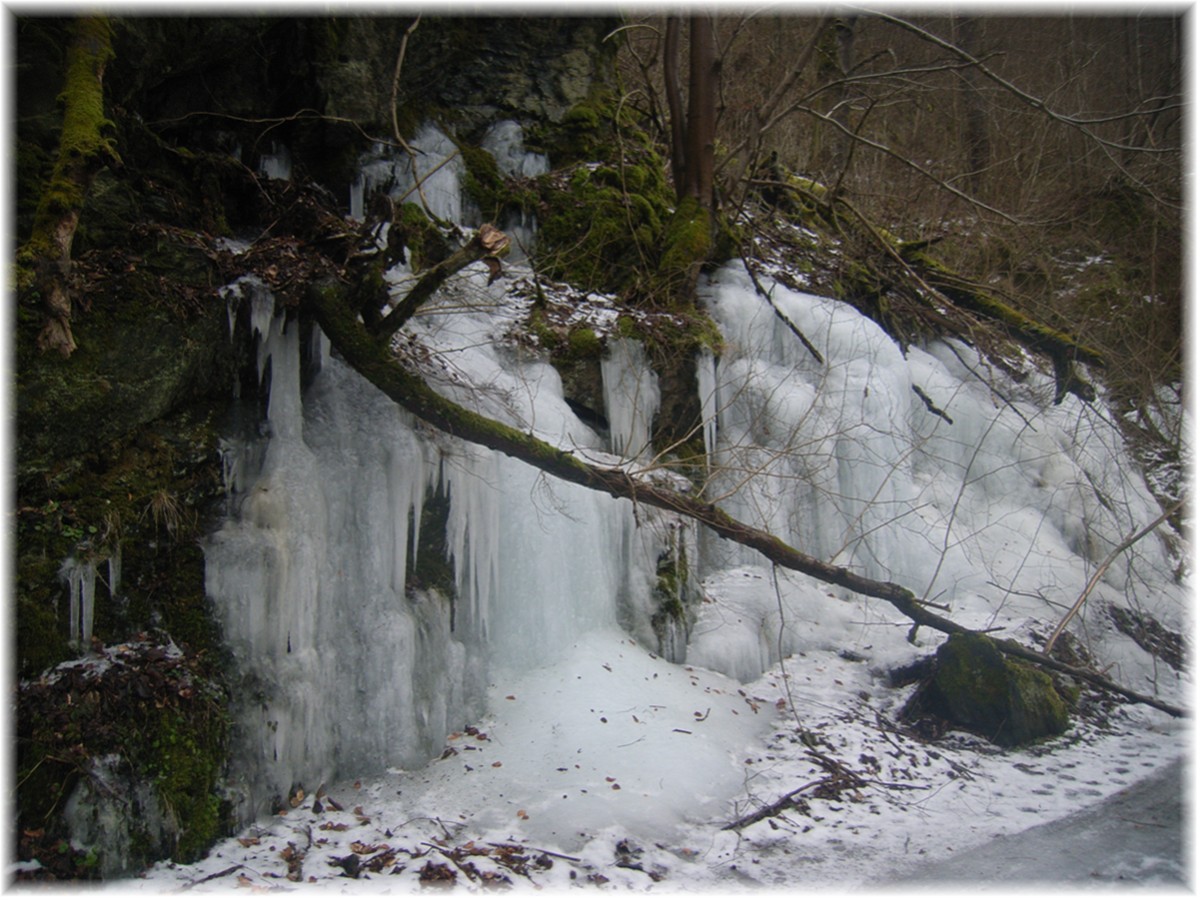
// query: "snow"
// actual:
[[544, 767], [538, 734]]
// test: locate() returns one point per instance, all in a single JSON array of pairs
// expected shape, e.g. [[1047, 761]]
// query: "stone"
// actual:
[[1007, 701]]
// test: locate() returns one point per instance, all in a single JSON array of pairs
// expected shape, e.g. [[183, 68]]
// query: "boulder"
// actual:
[[977, 688]]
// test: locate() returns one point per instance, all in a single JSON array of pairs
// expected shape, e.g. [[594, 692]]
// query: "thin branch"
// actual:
[[1036, 102], [1102, 568], [779, 314], [488, 243], [396, 86], [899, 157]]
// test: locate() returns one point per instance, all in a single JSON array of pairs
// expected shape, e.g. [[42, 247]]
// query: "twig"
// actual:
[[214, 875], [396, 86], [766, 295], [929, 404], [540, 850], [774, 809]]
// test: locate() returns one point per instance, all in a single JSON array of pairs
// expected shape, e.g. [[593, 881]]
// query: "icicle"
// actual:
[[631, 397], [80, 577], [114, 572], [230, 460], [437, 179], [706, 383], [357, 187], [506, 142], [277, 164]]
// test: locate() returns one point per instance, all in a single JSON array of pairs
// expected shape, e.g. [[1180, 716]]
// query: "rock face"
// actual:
[[1006, 701], [528, 68], [119, 461]]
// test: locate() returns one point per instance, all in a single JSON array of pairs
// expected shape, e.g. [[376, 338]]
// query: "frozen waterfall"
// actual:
[[999, 509]]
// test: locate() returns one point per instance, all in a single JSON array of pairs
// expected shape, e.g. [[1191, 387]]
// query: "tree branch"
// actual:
[[367, 355], [1035, 102], [1103, 567], [488, 243]]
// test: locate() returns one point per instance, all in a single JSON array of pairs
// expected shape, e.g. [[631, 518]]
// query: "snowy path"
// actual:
[[1133, 838]]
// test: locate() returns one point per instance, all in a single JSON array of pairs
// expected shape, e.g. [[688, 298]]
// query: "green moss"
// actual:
[[547, 337], [627, 327], [84, 141], [599, 234], [687, 243], [670, 618], [1006, 700], [583, 343], [185, 757], [161, 715], [426, 244], [603, 212], [430, 566]]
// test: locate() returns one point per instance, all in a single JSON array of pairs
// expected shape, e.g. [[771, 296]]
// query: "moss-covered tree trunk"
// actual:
[[83, 149], [688, 241]]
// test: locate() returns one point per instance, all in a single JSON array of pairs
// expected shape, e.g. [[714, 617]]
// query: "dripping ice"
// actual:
[[1000, 509], [344, 672]]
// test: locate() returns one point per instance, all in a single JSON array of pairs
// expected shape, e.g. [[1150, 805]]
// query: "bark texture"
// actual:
[[84, 148]]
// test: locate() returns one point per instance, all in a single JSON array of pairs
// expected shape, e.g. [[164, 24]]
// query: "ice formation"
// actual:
[[80, 578], [342, 670], [999, 508]]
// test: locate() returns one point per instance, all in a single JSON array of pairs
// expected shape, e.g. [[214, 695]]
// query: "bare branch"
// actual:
[[488, 243], [396, 85], [1102, 568], [1035, 102]]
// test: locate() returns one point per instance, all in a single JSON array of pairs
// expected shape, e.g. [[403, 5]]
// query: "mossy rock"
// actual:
[[687, 244], [597, 232], [672, 595], [1007, 701]]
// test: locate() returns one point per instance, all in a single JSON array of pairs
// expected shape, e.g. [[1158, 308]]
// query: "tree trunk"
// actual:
[[701, 136], [83, 149], [674, 103], [688, 239], [975, 137]]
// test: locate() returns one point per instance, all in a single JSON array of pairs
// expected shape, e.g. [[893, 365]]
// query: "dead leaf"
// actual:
[[248, 842]]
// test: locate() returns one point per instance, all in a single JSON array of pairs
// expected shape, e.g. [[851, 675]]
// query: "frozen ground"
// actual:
[[633, 782], [1135, 837]]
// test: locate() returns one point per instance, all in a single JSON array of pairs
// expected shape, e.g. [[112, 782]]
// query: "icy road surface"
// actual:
[[1134, 837]]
